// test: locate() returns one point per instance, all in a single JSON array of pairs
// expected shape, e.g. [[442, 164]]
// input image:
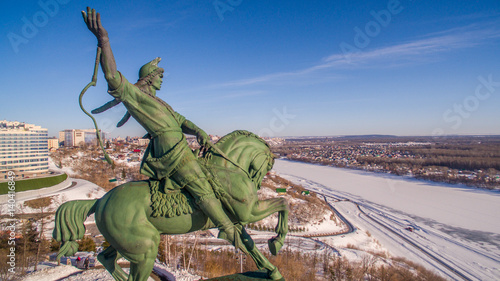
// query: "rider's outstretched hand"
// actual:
[[203, 139], [93, 21]]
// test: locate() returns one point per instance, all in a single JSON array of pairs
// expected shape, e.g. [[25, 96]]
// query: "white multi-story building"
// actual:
[[23, 149], [61, 137], [142, 142], [53, 143], [77, 137]]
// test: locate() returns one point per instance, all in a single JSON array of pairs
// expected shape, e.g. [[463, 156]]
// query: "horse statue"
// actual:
[[132, 216]]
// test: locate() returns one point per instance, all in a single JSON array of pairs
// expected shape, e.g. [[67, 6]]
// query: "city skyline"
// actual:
[[286, 68]]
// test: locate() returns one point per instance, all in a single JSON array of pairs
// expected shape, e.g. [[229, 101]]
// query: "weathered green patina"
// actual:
[[185, 192], [125, 214]]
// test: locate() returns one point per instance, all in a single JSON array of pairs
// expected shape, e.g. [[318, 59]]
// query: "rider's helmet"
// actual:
[[147, 73], [150, 68]]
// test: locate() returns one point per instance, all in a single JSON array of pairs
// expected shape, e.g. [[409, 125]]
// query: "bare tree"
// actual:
[[42, 205]]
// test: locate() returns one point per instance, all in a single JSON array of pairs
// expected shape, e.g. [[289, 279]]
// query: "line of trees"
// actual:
[[31, 246], [293, 264], [460, 163]]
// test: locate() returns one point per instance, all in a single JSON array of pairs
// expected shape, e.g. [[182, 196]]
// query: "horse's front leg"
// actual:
[[260, 260], [263, 209]]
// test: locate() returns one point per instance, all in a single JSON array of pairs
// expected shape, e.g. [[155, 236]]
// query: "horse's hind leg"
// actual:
[[141, 252], [109, 258], [141, 270], [264, 208]]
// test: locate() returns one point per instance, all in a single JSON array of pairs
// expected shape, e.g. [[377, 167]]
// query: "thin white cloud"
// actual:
[[241, 94], [435, 43]]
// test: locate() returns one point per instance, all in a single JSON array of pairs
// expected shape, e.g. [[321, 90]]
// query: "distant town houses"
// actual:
[[459, 163], [79, 137], [274, 141], [124, 149]]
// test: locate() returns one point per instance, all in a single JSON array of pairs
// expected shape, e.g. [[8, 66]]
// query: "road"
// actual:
[[458, 272]]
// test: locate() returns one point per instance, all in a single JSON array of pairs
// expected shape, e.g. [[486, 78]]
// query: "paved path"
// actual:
[[33, 194]]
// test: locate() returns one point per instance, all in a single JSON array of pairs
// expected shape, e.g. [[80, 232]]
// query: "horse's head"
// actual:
[[260, 165], [251, 152]]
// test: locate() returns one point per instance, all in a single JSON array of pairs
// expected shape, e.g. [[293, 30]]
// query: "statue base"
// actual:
[[259, 275]]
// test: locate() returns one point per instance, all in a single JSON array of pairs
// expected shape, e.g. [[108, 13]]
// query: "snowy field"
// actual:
[[457, 225]]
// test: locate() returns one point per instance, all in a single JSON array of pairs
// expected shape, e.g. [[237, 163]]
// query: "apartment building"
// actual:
[[53, 143], [77, 137], [23, 149]]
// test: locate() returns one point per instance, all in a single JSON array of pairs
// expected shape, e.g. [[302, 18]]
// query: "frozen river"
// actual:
[[455, 206], [458, 225]]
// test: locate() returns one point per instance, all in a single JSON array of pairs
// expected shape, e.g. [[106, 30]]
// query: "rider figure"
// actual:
[[168, 154]]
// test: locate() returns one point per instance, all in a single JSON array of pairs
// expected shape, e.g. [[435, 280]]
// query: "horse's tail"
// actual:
[[69, 226]]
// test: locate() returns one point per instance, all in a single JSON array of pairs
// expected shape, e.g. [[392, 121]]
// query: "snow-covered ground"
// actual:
[[325, 224], [78, 190], [50, 271], [458, 225]]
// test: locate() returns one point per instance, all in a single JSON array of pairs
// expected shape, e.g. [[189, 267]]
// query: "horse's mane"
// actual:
[[237, 133]]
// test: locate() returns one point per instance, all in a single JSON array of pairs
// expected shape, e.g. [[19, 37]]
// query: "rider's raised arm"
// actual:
[[93, 21]]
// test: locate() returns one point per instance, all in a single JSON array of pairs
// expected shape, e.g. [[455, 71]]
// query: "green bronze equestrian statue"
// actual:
[[168, 154], [132, 216]]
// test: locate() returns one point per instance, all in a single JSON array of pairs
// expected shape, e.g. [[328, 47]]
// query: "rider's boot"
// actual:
[[212, 207]]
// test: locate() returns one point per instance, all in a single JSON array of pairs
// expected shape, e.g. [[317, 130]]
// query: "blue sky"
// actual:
[[277, 68]]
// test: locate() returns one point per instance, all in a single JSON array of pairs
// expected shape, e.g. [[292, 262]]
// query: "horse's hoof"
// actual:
[[223, 235], [275, 274], [274, 246]]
